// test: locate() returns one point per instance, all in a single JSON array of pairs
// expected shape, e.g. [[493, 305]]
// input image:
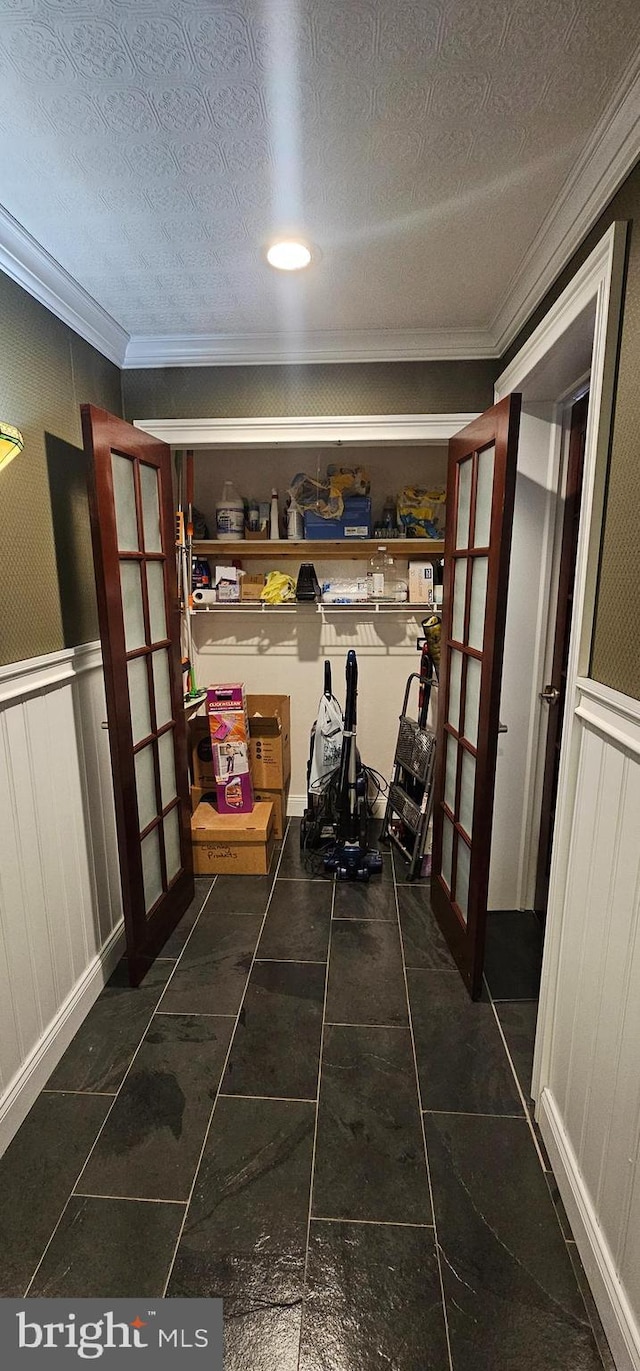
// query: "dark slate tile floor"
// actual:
[[301, 1111]]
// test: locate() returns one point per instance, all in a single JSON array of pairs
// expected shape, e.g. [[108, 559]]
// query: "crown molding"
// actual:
[[607, 158], [260, 349], [33, 268], [307, 430]]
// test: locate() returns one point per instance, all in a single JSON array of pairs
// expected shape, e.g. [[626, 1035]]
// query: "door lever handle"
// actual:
[[550, 694], [503, 728]]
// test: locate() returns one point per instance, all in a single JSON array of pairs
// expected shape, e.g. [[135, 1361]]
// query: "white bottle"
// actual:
[[274, 522], [229, 515]]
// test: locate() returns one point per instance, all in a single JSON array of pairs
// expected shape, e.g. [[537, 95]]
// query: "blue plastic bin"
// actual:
[[355, 521]]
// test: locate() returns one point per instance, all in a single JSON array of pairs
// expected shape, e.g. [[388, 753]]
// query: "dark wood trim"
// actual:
[[572, 498]]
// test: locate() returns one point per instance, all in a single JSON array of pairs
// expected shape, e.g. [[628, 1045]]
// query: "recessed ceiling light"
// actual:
[[289, 256]]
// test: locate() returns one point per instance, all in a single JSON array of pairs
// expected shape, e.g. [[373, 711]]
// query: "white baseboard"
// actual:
[[609, 1294], [34, 1073]]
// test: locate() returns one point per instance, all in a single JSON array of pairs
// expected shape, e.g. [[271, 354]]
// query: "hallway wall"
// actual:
[[47, 596], [332, 388], [60, 903], [588, 1107]]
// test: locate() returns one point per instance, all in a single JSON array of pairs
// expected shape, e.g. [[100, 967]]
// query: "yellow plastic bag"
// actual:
[[421, 513], [279, 588]]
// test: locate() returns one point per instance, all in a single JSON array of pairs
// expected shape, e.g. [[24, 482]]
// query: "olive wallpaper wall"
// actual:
[[47, 594], [615, 659], [336, 388]]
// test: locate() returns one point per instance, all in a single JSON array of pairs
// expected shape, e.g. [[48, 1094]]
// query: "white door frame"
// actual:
[[350, 430], [600, 280]]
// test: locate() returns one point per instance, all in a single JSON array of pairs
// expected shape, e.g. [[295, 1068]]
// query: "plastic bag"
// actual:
[[327, 497], [421, 513], [327, 741], [279, 588]]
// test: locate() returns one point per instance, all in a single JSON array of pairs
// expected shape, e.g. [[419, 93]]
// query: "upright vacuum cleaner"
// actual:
[[351, 858]]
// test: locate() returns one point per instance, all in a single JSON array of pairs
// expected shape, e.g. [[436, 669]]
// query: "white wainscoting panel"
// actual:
[[60, 901], [589, 1091]]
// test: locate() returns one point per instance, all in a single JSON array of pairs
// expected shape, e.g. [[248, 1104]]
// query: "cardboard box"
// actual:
[[240, 843], [279, 800], [202, 754], [421, 583], [251, 587], [269, 740]]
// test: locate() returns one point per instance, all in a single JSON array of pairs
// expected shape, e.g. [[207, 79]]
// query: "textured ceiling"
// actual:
[[154, 146]]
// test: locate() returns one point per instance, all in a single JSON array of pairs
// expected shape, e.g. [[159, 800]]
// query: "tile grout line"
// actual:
[[373, 1223], [421, 1116], [337, 1023], [222, 1073], [291, 961], [189, 1014], [281, 1099], [115, 1097], [315, 1128], [131, 1199], [515, 1076], [85, 1094], [471, 1114]]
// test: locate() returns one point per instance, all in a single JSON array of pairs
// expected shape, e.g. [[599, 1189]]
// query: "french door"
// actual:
[[133, 530], [480, 495]]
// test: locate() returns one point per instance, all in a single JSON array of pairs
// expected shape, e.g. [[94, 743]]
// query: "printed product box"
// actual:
[[235, 795], [236, 843], [269, 740], [229, 730], [421, 583]]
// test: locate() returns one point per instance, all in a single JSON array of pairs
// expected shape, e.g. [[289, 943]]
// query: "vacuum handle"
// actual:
[[352, 691], [327, 680]]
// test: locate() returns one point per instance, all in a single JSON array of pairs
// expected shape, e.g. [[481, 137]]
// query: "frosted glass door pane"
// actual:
[[151, 871], [150, 509], [167, 768], [172, 844], [139, 699], [157, 610], [455, 686], [131, 587], [124, 498], [463, 864], [484, 497], [464, 503], [447, 851], [459, 596], [478, 602], [145, 787], [472, 700], [161, 684], [450, 774], [467, 791]]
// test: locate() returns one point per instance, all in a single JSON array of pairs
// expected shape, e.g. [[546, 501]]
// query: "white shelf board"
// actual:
[[294, 607]]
